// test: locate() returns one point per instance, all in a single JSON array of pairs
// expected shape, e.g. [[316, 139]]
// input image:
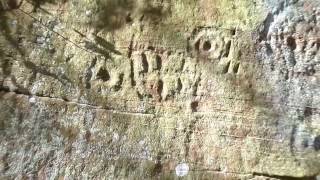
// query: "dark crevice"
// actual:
[[228, 46], [226, 68], [43, 70], [158, 166], [106, 45], [145, 64], [183, 62], [269, 50], [280, 7], [285, 73], [206, 46], [160, 89], [140, 95], [38, 3], [103, 74], [307, 112], [266, 25], [194, 106], [158, 62], [179, 85], [189, 131], [4, 89], [305, 143], [151, 48], [197, 45], [291, 42], [293, 138], [233, 32], [88, 73], [129, 18], [316, 143], [10, 5], [6, 67], [236, 68], [133, 82], [80, 33], [17, 91], [95, 48], [88, 135], [195, 86], [188, 48], [118, 86]]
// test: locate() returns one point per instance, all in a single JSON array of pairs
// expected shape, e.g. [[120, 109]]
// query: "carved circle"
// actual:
[[291, 42], [103, 74], [206, 46]]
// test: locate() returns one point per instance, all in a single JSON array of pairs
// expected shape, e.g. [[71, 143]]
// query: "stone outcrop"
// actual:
[[150, 89]]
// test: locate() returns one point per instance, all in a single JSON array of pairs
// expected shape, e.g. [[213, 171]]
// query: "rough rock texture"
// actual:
[[150, 89]]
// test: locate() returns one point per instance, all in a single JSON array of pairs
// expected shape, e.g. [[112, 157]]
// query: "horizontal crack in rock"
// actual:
[[6, 90], [285, 177]]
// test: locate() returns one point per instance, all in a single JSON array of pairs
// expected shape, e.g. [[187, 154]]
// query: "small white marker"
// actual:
[[182, 169], [88, 13], [32, 100], [115, 137], [141, 143]]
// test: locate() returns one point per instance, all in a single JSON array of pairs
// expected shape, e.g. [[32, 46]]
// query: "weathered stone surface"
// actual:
[[207, 89]]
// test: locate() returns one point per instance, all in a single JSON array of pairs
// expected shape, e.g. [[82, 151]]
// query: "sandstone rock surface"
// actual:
[[150, 89]]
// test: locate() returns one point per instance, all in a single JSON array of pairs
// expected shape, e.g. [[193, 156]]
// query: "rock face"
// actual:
[[150, 89]]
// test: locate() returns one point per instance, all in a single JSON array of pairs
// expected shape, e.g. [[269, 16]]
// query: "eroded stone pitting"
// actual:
[[229, 97]]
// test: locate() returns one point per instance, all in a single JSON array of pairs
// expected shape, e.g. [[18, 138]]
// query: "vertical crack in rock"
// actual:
[[228, 47], [130, 48], [226, 68], [316, 143], [89, 73], [266, 27], [188, 135], [132, 78], [293, 138]]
